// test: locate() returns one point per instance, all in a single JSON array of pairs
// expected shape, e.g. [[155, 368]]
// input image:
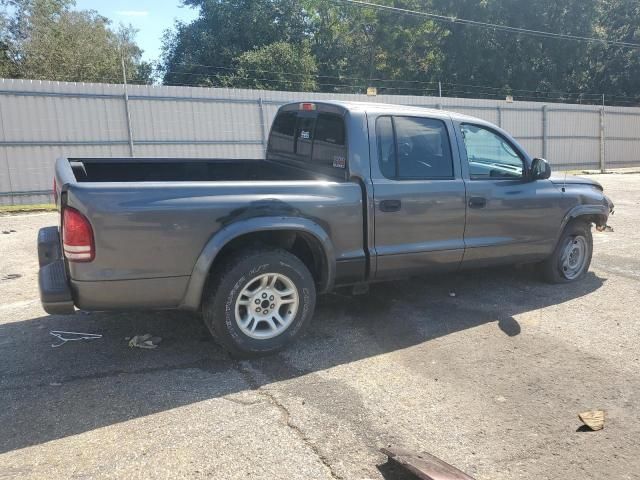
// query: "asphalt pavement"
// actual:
[[490, 380]]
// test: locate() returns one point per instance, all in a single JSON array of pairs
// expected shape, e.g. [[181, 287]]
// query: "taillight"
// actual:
[[307, 107], [77, 236], [55, 191]]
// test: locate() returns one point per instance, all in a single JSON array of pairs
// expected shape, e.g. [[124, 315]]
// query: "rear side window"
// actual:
[[421, 148]]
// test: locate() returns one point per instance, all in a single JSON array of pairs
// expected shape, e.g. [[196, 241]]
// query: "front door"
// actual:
[[509, 217], [419, 196]]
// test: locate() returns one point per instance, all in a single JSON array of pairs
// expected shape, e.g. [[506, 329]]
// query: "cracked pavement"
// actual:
[[490, 380]]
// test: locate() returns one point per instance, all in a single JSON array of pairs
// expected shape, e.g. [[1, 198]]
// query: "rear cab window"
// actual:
[[313, 140]]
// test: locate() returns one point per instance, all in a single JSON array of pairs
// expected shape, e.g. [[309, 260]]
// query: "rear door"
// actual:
[[419, 195], [509, 217]]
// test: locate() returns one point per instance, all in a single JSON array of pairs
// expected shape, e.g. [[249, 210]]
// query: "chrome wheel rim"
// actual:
[[574, 257], [266, 306]]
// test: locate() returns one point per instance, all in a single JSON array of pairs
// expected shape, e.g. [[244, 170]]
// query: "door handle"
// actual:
[[390, 205], [477, 202]]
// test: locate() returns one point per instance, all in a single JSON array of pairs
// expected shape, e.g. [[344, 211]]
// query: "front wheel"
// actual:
[[259, 301], [572, 256]]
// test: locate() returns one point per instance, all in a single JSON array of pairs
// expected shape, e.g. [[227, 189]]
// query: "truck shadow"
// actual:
[[51, 393]]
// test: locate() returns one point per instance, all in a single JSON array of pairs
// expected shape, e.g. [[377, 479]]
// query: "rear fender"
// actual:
[[200, 273]]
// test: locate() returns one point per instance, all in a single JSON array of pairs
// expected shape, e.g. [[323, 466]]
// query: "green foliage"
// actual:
[[264, 67], [223, 32], [356, 47], [47, 40]]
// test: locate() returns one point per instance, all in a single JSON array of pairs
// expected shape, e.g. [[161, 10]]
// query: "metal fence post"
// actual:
[[6, 159], [602, 142], [129, 129], [126, 109], [545, 134], [499, 110], [263, 133]]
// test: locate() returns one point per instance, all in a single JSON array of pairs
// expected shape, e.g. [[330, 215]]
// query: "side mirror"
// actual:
[[540, 169]]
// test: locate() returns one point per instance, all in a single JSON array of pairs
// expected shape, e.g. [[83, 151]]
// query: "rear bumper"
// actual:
[[55, 290]]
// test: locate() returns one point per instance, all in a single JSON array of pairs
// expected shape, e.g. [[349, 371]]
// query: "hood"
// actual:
[[562, 179]]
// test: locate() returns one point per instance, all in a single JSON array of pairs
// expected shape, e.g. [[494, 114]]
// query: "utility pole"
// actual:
[[126, 104]]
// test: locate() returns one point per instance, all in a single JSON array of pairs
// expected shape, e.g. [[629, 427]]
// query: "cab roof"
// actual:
[[385, 108]]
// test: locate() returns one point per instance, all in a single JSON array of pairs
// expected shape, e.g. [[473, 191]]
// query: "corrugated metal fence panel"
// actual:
[[622, 148], [40, 121]]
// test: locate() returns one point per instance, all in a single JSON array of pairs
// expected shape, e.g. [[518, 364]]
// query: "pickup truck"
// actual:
[[348, 193]]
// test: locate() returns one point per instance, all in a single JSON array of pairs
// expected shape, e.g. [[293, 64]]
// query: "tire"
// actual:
[[561, 266], [243, 285]]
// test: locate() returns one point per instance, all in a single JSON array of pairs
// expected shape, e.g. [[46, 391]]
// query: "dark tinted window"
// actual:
[[282, 132], [310, 136], [304, 136], [422, 149], [329, 143], [386, 147]]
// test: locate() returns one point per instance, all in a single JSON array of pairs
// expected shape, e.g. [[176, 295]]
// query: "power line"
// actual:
[[369, 82], [493, 26]]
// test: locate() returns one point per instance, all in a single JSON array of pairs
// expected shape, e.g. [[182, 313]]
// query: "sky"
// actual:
[[150, 17]]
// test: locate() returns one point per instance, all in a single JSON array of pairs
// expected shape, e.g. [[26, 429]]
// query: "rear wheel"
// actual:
[[259, 301], [572, 256]]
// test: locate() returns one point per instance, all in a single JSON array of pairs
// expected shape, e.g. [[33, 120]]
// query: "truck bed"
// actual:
[[183, 170], [152, 218]]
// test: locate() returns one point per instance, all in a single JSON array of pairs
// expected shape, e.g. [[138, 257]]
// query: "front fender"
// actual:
[[586, 210], [216, 243]]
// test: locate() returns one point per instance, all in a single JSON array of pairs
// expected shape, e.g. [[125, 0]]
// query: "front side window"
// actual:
[[490, 155], [414, 148]]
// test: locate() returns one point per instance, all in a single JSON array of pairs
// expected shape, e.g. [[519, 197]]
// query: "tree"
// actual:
[[613, 69], [355, 46], [47, 40], [280, 66], [203, 52]]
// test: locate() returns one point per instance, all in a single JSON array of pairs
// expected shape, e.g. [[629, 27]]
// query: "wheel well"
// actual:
[[598, 220], [301, 244]]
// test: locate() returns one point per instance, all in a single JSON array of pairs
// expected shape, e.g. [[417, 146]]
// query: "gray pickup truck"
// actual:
[[349, 193]]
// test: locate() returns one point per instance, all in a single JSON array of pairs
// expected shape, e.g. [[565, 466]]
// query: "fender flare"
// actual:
[[579, 211], [582, 210], [200, 273]]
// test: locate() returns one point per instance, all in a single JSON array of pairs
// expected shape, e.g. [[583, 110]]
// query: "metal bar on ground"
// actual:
[[424, 465]]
